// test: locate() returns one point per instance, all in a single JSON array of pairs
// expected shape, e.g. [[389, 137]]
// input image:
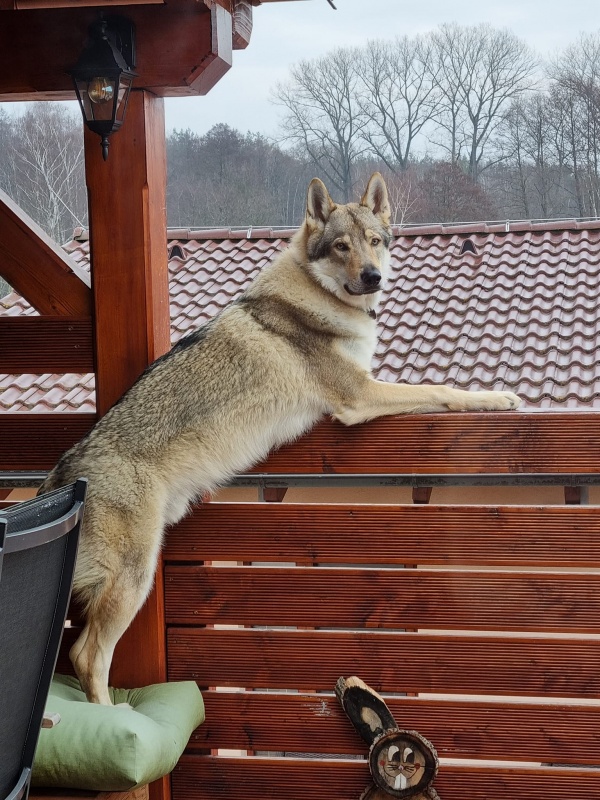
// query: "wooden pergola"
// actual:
[[117, 323]]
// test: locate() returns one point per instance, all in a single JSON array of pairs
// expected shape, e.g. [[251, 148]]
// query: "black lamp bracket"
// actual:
[[123, 31]]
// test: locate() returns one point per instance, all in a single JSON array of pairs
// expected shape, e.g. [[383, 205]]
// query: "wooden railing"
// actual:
[[515, 444], [480, 625]]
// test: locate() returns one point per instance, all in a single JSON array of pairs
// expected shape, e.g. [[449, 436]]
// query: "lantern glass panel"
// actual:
[[124, 87]]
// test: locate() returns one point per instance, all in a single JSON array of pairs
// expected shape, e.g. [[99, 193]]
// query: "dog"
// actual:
[[297, 345]]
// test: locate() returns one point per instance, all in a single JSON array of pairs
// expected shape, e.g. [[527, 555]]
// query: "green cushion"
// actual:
[[104, 748]]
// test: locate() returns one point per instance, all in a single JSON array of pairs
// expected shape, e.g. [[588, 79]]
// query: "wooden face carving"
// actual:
[[398, 764], [403, 763]]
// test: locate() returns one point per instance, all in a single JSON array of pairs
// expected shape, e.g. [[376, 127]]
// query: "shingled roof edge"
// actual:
[[430, 229]]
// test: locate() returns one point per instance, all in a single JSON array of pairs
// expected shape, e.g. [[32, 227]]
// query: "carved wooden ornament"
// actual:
[[403, 763]]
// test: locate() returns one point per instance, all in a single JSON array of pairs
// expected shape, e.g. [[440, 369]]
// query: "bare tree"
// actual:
[[46, 175], [5, 146], [6, 143], [403, 195], [323, 116], [479, 70], [513, 140], [398, 95], [536, 179], [576, 76]]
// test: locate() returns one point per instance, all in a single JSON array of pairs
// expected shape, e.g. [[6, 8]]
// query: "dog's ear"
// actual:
[[376, 198], [319, 204]]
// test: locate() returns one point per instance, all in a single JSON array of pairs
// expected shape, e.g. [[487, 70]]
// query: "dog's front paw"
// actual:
[[496, 401], [512, 401], [486, 401]]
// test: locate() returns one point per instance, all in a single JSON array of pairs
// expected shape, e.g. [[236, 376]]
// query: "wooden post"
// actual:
[[421, 495], [128, 247], [576, 495], [272, 495]]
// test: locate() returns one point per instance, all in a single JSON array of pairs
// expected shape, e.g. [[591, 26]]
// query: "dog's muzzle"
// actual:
[[370, 281]]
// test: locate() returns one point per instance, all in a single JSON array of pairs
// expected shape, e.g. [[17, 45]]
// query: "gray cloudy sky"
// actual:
[[287, 32]]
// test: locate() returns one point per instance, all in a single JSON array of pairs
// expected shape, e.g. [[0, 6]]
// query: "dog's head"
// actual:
[[347, 246]]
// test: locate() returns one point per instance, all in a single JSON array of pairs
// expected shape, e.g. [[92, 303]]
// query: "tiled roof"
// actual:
[[474, 306]]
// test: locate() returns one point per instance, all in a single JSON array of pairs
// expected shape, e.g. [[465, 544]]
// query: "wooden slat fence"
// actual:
[[479, 624]]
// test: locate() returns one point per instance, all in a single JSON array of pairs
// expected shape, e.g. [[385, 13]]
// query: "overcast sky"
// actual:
[[286, 32]]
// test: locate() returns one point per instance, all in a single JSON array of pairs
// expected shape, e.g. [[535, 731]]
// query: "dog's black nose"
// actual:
[[371, 277]]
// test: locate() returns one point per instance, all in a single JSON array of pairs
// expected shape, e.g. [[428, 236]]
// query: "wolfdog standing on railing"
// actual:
[[297, 345]]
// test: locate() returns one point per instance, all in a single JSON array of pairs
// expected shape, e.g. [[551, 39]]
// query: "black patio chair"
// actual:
[[38, 547]]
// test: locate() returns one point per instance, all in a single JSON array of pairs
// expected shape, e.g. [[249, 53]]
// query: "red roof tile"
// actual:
[[520, 313]]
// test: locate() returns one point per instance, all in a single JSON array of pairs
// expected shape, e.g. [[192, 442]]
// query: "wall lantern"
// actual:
[[103, 76]]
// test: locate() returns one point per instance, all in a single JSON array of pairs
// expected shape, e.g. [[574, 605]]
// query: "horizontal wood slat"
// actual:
[[376, 598], [447, 443], [517, 442], [389, 534], [37, 345], [391, 662], [36, 441], [309, 723], [206, 778]]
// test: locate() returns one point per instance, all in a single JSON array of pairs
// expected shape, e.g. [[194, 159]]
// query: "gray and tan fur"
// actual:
[[296, 346]]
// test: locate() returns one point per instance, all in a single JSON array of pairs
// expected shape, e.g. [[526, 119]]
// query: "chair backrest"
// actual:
[[39, 541]]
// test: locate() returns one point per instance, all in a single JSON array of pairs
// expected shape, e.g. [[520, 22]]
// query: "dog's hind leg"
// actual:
[[108, 619], [113, 584]]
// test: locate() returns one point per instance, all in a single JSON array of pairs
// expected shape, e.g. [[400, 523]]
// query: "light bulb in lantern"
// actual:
[[101, 90]]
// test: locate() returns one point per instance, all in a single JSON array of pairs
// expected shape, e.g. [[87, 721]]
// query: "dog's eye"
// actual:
[[375, 241], [341, 246]]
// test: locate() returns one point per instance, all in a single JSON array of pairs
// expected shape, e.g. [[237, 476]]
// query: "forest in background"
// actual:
[[466, 123]]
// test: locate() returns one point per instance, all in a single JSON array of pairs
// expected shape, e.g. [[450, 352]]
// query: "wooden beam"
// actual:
[[128, 247], [36, 345], [242, 24], [218, 61], [52, 39], [38, 268]]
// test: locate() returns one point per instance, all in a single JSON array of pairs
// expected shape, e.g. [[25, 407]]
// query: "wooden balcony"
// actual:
[[478, 623]]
